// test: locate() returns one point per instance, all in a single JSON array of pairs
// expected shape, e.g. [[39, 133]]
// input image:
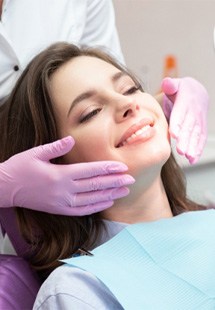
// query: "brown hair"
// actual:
[[28, 120]]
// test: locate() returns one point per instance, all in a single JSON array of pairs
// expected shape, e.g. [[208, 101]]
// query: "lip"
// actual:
[[131, 130]]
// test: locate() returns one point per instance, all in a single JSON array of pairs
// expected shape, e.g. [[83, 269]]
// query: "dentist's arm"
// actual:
[[185, 103], [29, 180]]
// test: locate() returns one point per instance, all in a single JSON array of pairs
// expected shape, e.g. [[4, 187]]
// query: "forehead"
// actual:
[[85, 68]]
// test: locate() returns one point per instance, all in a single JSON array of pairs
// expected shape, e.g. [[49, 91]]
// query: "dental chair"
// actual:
[[19, 284]]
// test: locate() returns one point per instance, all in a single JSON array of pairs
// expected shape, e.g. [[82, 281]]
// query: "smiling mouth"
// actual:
[[137, 133]]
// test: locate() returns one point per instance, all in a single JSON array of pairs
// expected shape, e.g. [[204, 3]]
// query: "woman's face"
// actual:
[[108, 116]]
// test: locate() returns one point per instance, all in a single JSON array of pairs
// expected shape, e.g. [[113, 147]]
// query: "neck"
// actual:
[[146, 202]]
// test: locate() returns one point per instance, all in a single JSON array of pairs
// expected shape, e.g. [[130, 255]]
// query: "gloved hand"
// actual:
[[185, 103], [29, 180]]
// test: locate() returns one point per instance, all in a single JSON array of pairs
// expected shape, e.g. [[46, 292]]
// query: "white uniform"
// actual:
[[27, 27]]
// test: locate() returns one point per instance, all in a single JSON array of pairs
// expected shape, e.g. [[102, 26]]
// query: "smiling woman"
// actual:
[[85, 93]]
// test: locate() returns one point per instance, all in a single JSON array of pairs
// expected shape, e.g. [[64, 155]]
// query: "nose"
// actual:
[[126, 107]]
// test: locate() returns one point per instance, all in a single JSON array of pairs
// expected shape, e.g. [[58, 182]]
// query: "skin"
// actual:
[[112, 107]]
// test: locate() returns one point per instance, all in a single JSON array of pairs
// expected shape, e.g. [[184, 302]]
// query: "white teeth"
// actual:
[[141, 131], [137, 133]]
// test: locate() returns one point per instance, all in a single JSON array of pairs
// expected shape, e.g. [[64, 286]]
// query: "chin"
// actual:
[[148, 163]]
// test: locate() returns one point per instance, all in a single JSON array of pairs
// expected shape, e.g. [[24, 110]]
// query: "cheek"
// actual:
[[88, 147]]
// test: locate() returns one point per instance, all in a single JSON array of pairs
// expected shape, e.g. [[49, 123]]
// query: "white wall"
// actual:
[[151, 29], [200, 183]]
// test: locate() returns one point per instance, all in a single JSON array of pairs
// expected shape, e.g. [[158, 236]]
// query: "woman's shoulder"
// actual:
[[68, 286]]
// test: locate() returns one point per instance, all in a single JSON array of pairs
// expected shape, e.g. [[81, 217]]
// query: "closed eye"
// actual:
[[89, 115], [132, 90]]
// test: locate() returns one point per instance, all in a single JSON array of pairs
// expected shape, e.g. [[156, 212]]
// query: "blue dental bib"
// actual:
[[164, 265]]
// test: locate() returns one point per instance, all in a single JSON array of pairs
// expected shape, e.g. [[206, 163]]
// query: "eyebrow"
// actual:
[[90, 93]]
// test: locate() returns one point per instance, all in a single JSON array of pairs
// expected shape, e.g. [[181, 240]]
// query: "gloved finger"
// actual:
[[55, 149], [103, 182], [167, 106], [177, 118], [183, 139], [193, 150], [92, 169], [170, 86], [83, 199], [91, 208], [83, 210], [201, 144]]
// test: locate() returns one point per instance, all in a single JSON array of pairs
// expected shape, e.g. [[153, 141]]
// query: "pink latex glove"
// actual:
[[185, 104], [29, 180]]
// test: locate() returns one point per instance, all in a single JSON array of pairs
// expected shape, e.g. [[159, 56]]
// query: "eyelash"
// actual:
[[130, 91], [89, 115]]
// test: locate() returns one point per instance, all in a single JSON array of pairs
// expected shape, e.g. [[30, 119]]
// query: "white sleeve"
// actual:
[[100, 28], [64, 302], [73, 288]]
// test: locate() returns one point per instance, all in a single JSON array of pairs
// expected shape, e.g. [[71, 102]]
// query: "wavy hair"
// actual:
[[28, 120]]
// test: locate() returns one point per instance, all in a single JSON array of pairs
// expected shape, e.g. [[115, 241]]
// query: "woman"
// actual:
[[85, 93], [90, 23]]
